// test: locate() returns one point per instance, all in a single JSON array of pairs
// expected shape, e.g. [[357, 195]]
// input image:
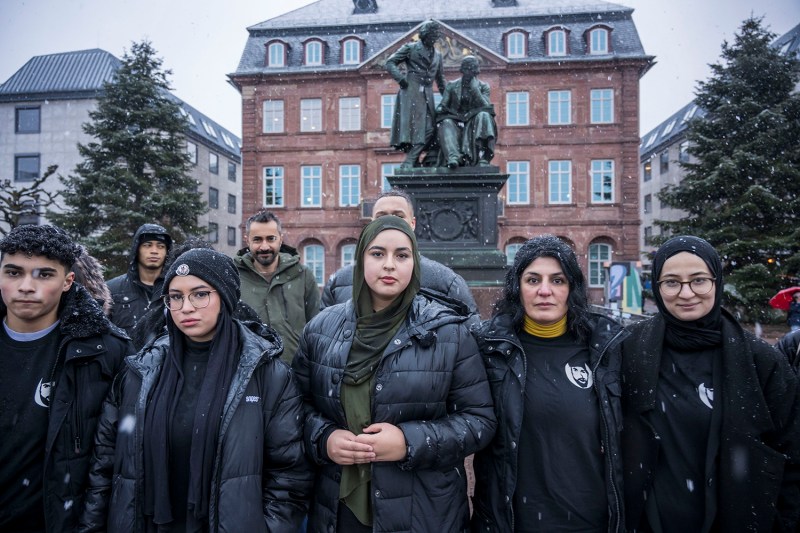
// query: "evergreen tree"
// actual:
[[742, 193], [136, 169]]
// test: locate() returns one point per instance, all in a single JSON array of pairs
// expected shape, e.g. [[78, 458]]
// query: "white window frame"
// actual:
[[350, 113], [386, 169], [311, 186], [387, 110], [273, 113], [517, 108], [351, 51], [349, 185], [602, 106], [557, 115], [559, 174], [511, 252], [276, 55], [311, 114], [556, 43], [518, 186], [598, 41], [313, 53], [314, 260], [348, 255], [191, 149], [274, 180], [602, 193], [599, 253], [515, 45]]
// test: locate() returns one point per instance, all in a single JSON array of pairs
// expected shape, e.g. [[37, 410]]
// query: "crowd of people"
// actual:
[[203, 393]]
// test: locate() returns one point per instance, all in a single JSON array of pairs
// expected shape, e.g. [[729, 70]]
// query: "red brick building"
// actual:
[[317, 107]]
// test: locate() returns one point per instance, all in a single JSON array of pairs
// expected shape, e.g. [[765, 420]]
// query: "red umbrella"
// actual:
[[783, 298]]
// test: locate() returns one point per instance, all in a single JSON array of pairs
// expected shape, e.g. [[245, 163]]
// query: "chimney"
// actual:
[[365, 6]]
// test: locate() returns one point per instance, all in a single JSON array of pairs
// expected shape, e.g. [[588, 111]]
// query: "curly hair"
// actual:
[[49, 241], [577, 301]]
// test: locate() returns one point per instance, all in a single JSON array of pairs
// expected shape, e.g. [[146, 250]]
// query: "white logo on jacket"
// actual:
[[252, 399]]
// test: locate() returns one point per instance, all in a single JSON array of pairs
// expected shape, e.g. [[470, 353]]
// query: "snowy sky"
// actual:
[[201, 42]]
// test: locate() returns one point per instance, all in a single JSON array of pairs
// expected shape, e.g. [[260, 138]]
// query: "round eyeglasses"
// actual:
[[198, 299], [673, 287]]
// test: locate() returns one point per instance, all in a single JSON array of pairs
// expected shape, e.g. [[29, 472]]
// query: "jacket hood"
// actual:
[[145, 229]]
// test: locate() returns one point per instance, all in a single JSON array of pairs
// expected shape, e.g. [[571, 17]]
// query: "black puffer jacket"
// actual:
[[127, 291], [431, 383], [789, 345], [434, 276], [261, 478], [92, 350], [754, 484], [496, 466]]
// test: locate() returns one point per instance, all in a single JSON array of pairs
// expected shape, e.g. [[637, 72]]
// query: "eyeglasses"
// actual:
[[198, 299], [673, 287]]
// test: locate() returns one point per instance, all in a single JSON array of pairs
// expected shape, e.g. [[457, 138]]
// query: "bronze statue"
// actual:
[[465, 120], [413, 125]]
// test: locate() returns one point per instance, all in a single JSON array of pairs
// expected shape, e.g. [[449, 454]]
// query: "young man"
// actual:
[[434, 275], [133, 291], [58, 357], [275, 283]]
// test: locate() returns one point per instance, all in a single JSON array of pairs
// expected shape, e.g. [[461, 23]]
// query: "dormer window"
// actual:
[[276, 54], [351, 51], [556, 41], [516, 44], [313, 52], [598, 40]]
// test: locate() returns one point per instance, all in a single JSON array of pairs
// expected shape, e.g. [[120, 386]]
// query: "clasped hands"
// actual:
[[378, 442]]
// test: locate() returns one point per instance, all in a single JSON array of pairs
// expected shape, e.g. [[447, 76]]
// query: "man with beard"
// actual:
[[275, 283], [133, 291]]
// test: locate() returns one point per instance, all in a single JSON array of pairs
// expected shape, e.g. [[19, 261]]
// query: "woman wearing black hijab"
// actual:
[[396, 397], [712, 437], [202, 430]]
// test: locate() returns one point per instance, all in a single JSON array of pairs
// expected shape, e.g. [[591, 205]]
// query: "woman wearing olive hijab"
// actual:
[[711, 439], [396, 397]]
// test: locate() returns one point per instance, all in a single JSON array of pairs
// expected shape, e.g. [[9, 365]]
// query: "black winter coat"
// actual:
[[789, 346], [92, 350], [496, 466], [261, 477], [431, 383], [754, 484]]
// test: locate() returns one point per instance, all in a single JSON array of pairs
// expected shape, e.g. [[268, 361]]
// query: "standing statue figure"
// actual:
[[465, 120], [414, 110]]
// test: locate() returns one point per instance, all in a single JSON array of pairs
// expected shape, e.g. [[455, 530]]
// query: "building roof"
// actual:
[[476, 20], [82, 74], [674, 127]]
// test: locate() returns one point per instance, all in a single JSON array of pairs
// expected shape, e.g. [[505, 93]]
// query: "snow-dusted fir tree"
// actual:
[[742, 191], [136, 168]]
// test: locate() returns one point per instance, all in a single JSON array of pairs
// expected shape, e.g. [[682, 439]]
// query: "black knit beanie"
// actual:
[[215, 268]]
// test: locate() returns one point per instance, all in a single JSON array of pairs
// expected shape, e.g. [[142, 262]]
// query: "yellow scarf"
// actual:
[[546, 332]]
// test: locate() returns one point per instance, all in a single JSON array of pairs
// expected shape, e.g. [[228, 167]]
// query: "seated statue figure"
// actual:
[[466, 129]]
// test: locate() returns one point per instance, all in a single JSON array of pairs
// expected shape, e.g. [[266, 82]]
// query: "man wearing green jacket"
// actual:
[[275, 283]]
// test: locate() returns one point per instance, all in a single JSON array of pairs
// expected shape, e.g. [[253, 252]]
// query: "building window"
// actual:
[[559, 104], [387, 110], [231, 236], [27, 120], [663, 160], [191, 149], [518, 183], [598, 41], [349, 185], [598, 254], [313, 53], [683, 152], [348, 255], [311, 114], [351, 52], [602, 104], [517, 109], [387, 169], [515, 44], [602, 181], [560, 182], [232, 204], [557, 43], [213, 163], [314, 260], [276, 55], [213, 198], [273, 116], [273, 186], [350, 114], [648, 234], [209, 129], [231, 171], [213, 232], [311, 179], [511, 252], [26, 167], [648, 171], [648, 204]]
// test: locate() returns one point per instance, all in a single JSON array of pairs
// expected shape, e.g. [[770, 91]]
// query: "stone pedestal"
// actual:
[[456, 213]]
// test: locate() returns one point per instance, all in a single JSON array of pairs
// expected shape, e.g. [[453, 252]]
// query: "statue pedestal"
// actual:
[[456, 213]]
